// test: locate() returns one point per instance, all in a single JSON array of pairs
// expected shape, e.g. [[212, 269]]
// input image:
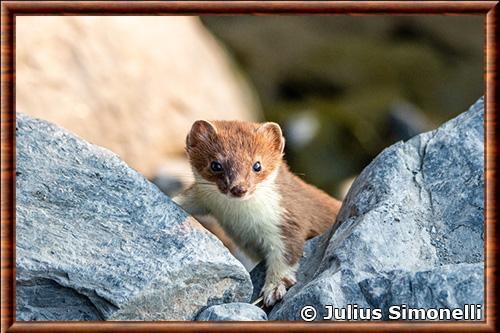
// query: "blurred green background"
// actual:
[[344, 88]]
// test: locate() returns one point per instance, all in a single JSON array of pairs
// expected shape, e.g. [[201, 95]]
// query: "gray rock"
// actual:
[[411, 229], [232, 311], [449, 286], [95, 240]]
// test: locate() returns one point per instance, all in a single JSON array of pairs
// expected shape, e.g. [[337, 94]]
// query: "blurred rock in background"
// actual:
[[347, 87], [131, 84]]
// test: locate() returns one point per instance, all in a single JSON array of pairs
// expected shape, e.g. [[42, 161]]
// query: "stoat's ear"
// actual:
[[201, 131], [273, 132]]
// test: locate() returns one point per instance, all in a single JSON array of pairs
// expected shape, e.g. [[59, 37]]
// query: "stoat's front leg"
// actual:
[[279, 277]]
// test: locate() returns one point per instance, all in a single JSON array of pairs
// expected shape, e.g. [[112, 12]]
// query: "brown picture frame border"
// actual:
[[11, 9]]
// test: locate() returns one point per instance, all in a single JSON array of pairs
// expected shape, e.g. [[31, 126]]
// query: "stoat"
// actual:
[[242, 180]]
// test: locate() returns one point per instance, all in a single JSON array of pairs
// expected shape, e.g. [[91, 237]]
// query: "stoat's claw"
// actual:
[[289, 281], [273, 294]]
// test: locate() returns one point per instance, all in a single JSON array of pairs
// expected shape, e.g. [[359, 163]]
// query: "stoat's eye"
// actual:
[[257, 167], [216, 166]]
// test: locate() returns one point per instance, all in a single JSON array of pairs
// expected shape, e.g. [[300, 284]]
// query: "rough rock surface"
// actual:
[[411, 229], [95, 240], [128, 82], [232, 311]]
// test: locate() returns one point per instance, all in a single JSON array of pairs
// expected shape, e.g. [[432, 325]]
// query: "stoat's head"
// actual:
[[235, 157]]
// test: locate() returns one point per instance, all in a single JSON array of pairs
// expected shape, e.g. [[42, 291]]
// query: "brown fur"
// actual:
[[308, 212]]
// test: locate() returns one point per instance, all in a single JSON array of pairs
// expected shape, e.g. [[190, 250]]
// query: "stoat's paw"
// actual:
[[273, 293]]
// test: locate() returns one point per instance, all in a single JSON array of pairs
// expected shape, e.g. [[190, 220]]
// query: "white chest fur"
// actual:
[[254, 223]]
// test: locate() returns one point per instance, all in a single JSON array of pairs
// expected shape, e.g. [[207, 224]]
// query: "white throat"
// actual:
[[254, 223]]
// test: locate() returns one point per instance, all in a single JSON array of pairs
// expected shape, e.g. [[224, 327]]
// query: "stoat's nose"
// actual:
[[238, 191]]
